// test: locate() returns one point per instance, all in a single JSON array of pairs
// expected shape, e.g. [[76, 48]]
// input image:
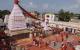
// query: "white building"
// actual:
[[47, 18], [52, 21]]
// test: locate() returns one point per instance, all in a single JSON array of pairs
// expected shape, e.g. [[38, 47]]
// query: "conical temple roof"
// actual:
[[16, 19]]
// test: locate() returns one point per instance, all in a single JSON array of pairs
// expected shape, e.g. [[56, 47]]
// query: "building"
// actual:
[[47, 18], [17, 20], [52, 21]]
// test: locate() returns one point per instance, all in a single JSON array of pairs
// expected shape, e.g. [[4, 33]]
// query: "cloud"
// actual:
[[77, 1], [45, 6], [31, 5], [74, 6]]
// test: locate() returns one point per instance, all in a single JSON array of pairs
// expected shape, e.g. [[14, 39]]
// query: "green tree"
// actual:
[[78, 15], [65, 15], [72, 14], [3, 13], [61, 15], [0, 13], [37, 13]]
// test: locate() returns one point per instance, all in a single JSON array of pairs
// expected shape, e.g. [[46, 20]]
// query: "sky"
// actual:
[[44, 5]]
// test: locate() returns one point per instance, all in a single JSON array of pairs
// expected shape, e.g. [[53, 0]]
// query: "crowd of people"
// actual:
[[65, 45], [41, 40]]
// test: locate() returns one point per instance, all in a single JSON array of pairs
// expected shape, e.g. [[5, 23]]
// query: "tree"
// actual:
[[65, 15], [61, 15], [3, 13], [71, 14], [37, 13], [78, 16], [0, 13]]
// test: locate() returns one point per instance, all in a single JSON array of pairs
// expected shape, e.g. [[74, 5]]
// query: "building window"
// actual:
[[69, 30], [74, 30], [66, 29], [47, 16]]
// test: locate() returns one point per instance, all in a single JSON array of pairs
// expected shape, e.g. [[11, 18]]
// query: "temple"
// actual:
[[16, 23]]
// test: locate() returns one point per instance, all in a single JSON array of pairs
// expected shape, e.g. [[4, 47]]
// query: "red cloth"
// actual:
[[5, 49], [64, 35], [1, 44], [64, 47], [70, 48], [2, 34]]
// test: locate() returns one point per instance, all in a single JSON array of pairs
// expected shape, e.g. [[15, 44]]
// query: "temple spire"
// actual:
[[16, 1], [16, 19]]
